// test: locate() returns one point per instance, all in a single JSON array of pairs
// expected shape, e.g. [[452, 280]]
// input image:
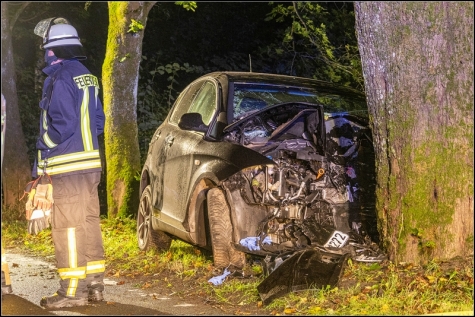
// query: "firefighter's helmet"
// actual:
[[57, 32]]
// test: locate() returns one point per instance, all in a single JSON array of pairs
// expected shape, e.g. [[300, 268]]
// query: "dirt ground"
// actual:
[[191, 287], [189, 290]]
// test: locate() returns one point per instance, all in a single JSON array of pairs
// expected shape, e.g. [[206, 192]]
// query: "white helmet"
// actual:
[[60, 35], [57, 32]]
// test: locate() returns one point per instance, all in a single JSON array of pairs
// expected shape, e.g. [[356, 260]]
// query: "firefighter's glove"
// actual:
[[39, 221], [29, 203], [43, 198], [39, 204]]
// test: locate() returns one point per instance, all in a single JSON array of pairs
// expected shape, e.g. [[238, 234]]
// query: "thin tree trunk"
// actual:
[[417, 60], [120, 80], [16, 169]]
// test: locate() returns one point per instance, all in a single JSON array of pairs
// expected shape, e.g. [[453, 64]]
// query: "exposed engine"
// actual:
[[311, 195]]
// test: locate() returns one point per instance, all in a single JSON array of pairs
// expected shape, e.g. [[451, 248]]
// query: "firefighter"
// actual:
[[71, 120], [6, 283]]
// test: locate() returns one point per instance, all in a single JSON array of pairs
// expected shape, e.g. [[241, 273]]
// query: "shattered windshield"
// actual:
[[251, 97]]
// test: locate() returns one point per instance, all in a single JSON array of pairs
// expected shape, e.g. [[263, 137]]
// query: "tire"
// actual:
[[224, 254], [147, 237]]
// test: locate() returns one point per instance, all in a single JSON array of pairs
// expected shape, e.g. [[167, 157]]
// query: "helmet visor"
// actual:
[[41, 29]]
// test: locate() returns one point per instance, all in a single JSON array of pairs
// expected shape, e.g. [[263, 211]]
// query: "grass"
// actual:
[[369, 289]]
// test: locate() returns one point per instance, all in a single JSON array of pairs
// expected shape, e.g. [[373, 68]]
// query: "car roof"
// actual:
[[319, 85]]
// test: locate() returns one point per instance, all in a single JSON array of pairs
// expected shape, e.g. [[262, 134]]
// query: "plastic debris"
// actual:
[[252, 242], [110, 282], [218, 280]]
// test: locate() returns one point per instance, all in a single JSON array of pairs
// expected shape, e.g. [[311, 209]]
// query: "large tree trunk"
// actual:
[[417, 60], [120, 80], [16, 169]]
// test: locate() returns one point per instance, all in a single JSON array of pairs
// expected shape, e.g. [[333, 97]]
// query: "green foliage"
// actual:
[[14, 212], [13, 231], [120, 242], [320, 41], [154, 103], [28, 99], [15, 234], [233, 292], [188, 5], [135, 26]]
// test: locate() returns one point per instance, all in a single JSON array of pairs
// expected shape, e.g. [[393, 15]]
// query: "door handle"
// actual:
[[169, 140]]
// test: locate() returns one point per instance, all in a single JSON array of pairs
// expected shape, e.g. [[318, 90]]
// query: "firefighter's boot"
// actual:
[[95, 290]]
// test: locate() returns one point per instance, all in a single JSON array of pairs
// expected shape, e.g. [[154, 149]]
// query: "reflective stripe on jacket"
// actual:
[[71, 120]]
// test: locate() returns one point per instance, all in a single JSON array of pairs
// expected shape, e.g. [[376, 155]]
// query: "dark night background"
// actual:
[[216, 36]]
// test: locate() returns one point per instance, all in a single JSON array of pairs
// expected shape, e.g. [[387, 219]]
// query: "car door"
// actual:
[[181, 146], [158, 147]]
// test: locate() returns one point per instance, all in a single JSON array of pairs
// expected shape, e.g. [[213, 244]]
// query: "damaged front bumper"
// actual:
[[302, 270], [311, 267]]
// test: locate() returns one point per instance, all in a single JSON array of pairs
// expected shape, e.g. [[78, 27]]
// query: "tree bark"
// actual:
[[16, 169], [417, 60], [120, 80]]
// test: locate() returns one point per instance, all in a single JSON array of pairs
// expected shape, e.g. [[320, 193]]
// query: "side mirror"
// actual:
[[192, 121]]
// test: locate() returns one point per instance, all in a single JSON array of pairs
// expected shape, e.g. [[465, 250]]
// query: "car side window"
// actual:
[[183, 103], [205, 102]]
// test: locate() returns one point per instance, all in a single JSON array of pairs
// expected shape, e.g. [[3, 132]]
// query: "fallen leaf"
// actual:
[[314, 310], [121, 283], [289, 310], [431, 278]]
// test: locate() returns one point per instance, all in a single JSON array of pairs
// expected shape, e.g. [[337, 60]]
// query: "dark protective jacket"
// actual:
[[71, 120]]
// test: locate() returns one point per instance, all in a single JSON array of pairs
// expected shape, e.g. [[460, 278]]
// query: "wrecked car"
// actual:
[[252, 165]]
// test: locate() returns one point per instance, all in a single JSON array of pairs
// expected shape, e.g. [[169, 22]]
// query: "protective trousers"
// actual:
[[76, 233], [6, 283]]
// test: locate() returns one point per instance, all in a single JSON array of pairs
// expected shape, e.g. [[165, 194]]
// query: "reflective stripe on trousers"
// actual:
[[5, 269], [76, 232]]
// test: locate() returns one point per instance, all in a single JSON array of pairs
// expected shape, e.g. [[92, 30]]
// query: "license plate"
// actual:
[[337, 240]]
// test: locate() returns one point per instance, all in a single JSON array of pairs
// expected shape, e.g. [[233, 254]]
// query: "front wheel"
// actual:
[[146, 236], [224, 254]]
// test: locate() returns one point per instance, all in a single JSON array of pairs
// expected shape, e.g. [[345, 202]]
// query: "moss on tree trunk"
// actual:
[[417, 60], [120, 81]]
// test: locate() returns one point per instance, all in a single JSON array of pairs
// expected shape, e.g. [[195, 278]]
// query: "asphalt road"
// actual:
[[32, 278]]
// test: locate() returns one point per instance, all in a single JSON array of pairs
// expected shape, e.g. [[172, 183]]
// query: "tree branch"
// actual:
[[17, 14]]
